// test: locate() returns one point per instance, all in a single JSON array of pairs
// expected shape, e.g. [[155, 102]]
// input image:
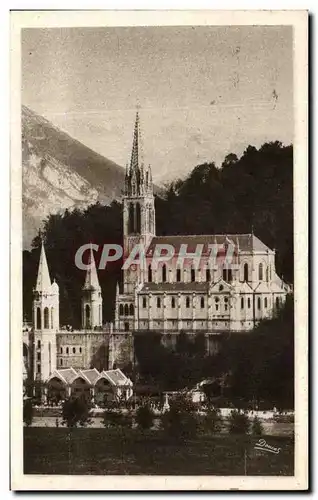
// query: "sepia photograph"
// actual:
[[155, 242]]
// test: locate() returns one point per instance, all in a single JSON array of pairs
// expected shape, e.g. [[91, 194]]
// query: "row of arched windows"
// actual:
[[46, 318], [227, 274], [73, 350], [178, 274], [126, 310]]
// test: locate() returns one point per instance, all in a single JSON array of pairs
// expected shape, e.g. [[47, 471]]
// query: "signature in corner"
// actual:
[[263, 446]]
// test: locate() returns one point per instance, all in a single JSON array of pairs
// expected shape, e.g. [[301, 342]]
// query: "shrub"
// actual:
[[144, 416], [27, 412], [238, 422], [213, 420], [114, 417], [76, 411], [180, 421], [257, 428]]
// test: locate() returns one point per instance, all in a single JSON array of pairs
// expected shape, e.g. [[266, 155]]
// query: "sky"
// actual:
[[202, 92]]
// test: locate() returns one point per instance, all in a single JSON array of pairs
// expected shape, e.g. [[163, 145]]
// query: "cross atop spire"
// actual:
[[91, 280], [43, 282]]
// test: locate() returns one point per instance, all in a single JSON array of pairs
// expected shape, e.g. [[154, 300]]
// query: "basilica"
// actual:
[[180, 294]]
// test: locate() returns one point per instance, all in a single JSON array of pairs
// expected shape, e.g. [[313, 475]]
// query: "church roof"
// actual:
[[244, 242], [91, 279], [43, 282], [175, 287]]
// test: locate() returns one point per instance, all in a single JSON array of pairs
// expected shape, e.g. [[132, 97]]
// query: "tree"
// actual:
[[144, 416], [27, 412], [238, 422], [180, 421], [257, 428], [76, 412]]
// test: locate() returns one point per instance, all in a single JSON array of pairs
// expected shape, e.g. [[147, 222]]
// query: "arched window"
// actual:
[[67, 350], [277, 302], [267, 274], [61, 362], [138, 218], [249, 302], [87, 316], [258, 302], [131, 218], [126, 310], [121, 310], [173, 302], [192, 274], [46, 317], [187, 302], [260, 272], [38, 318], [61, 350], [208, 275], [178, 274], [74, 350], [265, 302], [164, 273], [144, 302], [52, 317], [39, 344], [202, 302], [158, 302], [245, 272], [80, 350], [149, 273], [131, 310], [242, 302]]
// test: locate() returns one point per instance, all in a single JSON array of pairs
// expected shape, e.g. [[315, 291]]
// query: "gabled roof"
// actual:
[[67, 375], [91, 375], [262, 287], [215, 287], [239, 287], [117, 377], [244, 242]]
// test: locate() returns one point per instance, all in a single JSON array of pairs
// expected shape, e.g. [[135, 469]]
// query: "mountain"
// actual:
[[59, 172]]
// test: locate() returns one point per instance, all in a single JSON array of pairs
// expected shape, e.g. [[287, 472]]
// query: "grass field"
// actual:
[[104, 451]]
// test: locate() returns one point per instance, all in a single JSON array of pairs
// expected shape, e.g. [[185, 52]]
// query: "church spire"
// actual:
[[135, 153], [91, 280], [43, 282]]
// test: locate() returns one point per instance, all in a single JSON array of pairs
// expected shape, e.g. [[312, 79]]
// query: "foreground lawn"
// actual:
[[104, 451]]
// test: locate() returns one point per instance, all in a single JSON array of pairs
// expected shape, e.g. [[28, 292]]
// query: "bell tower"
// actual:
[[92, 301], [139, 222], [45, 321]]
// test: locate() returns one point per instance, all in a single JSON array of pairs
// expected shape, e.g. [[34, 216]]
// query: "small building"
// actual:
[[96, 387]]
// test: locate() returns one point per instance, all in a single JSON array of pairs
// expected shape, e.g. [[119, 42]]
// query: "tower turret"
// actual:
[[45, 320], [92, 302]]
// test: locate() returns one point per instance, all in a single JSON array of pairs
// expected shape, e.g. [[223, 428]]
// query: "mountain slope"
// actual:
[[59, 172]]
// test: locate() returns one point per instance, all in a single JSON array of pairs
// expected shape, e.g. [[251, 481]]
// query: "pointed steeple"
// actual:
[[91, 280], [43, 282], [135, 153]]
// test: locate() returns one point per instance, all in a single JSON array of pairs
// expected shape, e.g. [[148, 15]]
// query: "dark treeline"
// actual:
[[248, 367], [254, 192]]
